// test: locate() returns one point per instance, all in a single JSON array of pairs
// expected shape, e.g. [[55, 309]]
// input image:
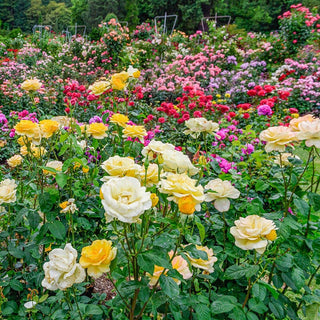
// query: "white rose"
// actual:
[[124, 199], [177, 162], [62, 270], [222, 190], [7, 191]]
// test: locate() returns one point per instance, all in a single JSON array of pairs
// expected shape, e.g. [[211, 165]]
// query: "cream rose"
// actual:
[[7, 191], [197, 125], [220, 192], [310, 132], [62, 270], [179, 186], [177, 162], [150, 177], [124, 199], [15, 161], [253, 232], [99, 87], [294, 123], [155, 148], [207, 264], [277, 138], [121, 166], [57, 165]]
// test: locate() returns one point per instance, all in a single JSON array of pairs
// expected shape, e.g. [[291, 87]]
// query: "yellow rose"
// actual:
[[27, 128], [180, 185], [38, 152], [133, 72], [48, 127], [97, 130], [227, 95], [118, 80], [119, 119], [207, 264], [97, 257], [57, 165], [14, 161], [253, 232], [220, 192], [24, 140], [3, 143], [121, 166], [23, 150], [277, 138], [187, 205], [154, 198], [99, 87], [7, 191], [134, 132], [31, 85], [178, 263]]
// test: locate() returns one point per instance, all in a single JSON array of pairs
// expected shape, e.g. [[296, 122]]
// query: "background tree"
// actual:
[[57, 15]]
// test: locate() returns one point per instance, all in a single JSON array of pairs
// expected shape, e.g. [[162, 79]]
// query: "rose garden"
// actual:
[[155, 176]]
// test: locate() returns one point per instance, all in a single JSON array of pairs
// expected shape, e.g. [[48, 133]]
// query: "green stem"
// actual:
[[75, 299]]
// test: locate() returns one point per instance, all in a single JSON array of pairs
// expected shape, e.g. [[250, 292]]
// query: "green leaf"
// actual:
[[34, 219], [61, 179], [261, 185], [203, 312], [314, 199], [169, 286], [251, 271], [298, 277], [259, 291], [195, 253], [147, 260], [271, 289], [235, 272], [45, 202], [252, 316], [256, 305], [92, 309], [238, 314], [312, 311], [57, 229], [223, 304], [201, 228], [276, 309], [285, 262], [9, 308], [302, 206], [16, 285]]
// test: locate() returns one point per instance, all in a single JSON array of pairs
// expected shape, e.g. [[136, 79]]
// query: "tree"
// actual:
[[35, 13], [78, 10], [57, 15], [132, 12]]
